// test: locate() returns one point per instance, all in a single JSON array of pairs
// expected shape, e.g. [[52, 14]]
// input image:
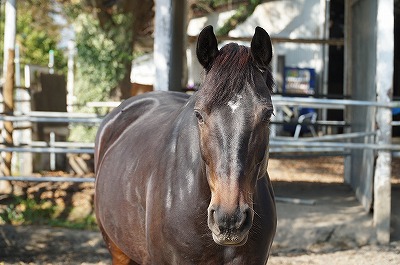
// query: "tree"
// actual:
[[123, 23], [242, 13], [102, 58], [37, 34]]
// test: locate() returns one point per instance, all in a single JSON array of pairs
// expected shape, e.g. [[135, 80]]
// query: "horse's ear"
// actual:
[[207, 47], [261, 48]]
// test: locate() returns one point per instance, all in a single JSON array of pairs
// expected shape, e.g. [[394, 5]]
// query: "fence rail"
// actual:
[[57, 150], [53, 117], [329, 103], [46, 179], [322, 145]]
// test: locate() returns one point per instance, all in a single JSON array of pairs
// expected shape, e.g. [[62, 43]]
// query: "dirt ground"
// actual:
[[328, 226]]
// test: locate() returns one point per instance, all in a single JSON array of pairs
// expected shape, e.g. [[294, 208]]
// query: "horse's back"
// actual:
[[133, 111]]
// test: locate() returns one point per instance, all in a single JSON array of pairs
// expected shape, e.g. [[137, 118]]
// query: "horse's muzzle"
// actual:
[[230, 229]]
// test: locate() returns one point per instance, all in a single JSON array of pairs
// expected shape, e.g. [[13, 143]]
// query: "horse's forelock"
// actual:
[[228, 75]]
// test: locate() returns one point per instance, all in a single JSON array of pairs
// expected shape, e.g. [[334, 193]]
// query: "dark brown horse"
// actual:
[[183, 180]]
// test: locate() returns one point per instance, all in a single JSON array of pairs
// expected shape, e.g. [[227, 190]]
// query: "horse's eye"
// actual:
[[267, 115], [199, 116]]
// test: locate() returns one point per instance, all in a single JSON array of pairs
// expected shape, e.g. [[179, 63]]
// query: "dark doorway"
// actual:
[[336, 58]]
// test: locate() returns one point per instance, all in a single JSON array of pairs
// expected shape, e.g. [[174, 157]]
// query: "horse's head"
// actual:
[[233, 109]]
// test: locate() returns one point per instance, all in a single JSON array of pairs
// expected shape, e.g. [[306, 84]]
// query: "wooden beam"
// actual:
[[334, 42]]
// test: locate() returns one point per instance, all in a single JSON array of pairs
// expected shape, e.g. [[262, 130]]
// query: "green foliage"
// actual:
[[35, 44], [30, 212], [206, 5], [37, 34], [82, 133], [72, 9], [242, 13], [27, 211], [102, 57], [214, 3], [86, 223]]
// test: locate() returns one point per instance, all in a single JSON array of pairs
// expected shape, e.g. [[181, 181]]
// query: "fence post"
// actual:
[[52, 154], [10, 26], [8, 96], [384, 77]]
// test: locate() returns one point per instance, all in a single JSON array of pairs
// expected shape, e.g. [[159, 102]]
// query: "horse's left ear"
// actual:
[[207, 47], [261, 48]]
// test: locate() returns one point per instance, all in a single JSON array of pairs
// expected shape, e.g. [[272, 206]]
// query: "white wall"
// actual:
[[217, 20], [287, 19]]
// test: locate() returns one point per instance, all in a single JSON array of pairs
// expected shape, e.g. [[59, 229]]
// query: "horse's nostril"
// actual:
[[212, 217], [245, 219], [214, 214]]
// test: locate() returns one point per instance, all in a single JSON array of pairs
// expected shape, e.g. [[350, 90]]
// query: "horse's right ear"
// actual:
[[261, 48], [207, 47]]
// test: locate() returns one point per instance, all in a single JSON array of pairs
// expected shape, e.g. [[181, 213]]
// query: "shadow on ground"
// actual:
[[40, 244]]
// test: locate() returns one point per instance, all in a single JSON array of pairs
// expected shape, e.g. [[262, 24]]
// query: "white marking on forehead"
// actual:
[[235, 103]]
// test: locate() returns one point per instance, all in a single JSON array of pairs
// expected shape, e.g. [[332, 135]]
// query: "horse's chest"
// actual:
[[191, 243], [209, 255]]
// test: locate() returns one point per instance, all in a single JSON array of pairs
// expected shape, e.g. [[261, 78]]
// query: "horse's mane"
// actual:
[[228, 75]]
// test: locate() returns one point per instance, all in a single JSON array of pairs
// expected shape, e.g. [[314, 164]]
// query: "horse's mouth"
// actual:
[[230, 240]]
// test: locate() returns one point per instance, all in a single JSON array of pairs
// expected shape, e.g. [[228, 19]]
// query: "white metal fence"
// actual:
[[327, 144]]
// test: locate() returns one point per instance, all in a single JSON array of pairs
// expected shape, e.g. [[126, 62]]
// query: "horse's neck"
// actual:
[[185, 131]]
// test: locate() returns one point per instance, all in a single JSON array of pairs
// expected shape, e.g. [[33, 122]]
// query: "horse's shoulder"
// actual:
[[163, 97], [134, 107]]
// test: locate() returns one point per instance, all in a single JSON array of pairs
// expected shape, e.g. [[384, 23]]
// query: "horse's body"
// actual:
[[158, 199]]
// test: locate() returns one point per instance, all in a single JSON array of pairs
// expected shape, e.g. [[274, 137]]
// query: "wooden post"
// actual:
[[384, 79], [8, 75], [347, 82], [178, 49], [8, 96]]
